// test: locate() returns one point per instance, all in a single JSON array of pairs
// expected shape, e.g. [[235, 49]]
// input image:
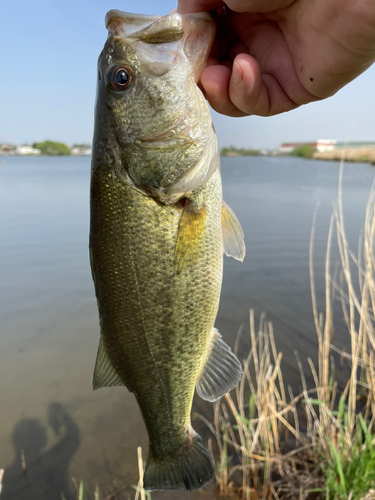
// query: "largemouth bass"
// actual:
[[158, 231]]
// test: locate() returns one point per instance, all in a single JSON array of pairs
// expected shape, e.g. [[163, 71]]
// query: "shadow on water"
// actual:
[[37, 474]]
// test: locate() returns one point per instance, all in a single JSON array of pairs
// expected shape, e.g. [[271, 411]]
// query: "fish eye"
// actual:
[[120, 78]]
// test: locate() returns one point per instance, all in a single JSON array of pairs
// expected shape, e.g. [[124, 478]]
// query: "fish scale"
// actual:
[[174, 316], [157, 235]]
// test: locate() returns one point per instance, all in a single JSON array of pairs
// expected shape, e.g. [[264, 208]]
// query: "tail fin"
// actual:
[[191, 467]]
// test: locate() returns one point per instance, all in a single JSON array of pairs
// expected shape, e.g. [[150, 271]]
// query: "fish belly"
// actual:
[[156, 320]]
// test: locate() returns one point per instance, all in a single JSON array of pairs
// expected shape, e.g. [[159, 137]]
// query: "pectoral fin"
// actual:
[[104, 373], [221, 372], [190, 232], [233, 237]]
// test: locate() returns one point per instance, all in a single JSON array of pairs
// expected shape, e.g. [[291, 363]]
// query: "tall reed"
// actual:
[[275, 445]]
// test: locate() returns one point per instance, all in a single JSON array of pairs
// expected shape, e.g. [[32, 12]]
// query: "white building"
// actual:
[[27, 150], [323, 145], [85, 151]]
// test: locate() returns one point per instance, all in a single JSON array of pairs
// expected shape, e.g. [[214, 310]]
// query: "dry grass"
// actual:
[[1, 479], [363, 154], [275, 445]]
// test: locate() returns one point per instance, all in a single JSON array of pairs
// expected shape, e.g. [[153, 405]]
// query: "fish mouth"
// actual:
[[195, 32], [130, 23], [149, 29]]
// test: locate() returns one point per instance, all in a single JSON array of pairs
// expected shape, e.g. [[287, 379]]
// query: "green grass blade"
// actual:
[[97, 494], [80, 493], [338, 465]]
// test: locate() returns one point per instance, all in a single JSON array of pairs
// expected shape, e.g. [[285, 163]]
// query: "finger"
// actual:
[[245, 83], [225, 37], [211, 61], [215, 83], [255, 6], [220, 47], [252, 93], [191, 6], [265, 42], [214, 62], [236, 49], [252, 6]]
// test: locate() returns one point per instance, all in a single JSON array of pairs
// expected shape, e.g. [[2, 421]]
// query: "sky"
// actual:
[[49, 51]]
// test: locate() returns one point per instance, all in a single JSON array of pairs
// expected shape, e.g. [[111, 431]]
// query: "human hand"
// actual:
[[271, 56]]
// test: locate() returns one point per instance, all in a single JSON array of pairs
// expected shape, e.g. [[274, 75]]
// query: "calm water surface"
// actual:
[[49, 323]]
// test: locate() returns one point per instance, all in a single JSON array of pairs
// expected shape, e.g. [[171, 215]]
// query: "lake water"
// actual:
[[49, 322]]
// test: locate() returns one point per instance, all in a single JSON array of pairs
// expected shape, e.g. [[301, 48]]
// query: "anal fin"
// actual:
[[221, 372], [233, 237], [104, 373]]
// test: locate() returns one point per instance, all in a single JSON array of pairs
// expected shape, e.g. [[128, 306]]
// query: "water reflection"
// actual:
[[37, 474], [49, 328]]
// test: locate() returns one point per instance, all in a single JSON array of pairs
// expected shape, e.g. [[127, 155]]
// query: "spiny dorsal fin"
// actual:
[[221, 372], [104, 373], [190, 232], [233, 237]]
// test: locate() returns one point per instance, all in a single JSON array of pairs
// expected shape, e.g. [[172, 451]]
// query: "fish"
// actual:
[[158, 231]]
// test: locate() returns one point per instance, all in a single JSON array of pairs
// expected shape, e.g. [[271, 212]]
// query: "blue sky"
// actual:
[[49, 51]]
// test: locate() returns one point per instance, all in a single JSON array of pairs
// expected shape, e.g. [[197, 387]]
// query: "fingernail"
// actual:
[[237, 76]]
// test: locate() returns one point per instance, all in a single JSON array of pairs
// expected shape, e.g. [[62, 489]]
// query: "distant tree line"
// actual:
[[232, 151], [52, 148]]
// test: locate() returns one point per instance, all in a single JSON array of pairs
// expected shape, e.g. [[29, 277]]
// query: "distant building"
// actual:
[[287, 147], [83, 150], [355, 144], [27, 150], [7, 149], [324, 145]]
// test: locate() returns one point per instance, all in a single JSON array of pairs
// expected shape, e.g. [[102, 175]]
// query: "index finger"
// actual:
[[191, 6]]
